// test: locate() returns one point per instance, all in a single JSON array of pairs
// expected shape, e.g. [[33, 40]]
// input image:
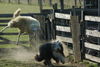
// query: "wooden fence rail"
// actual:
[[92, 18], [92, 46], [92, 58], [93, 33], [10, 15], [62, 16]]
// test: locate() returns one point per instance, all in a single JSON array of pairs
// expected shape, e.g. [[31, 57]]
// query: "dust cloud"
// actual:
[[22, 54]]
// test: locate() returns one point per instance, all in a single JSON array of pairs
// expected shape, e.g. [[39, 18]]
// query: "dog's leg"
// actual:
[[32, 39], [19, 34], [4, 28], [48, 63]]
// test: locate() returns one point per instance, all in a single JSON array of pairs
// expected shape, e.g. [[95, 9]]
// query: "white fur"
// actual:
[[26, 24]]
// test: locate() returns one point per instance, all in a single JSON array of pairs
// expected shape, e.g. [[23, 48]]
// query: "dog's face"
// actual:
[[58, 51], [12, 23]]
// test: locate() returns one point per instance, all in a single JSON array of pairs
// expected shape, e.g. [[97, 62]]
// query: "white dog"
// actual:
[[26, 24]]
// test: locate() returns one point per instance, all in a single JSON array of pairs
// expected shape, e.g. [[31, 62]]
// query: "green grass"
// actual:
[[10, 8], [11, 63], [14, 37], [92, 65], [9, 30], [89, 64], [8, 46]]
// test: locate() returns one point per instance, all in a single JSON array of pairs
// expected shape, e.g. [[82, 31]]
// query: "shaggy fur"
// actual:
[[50, 51], [25, 24]]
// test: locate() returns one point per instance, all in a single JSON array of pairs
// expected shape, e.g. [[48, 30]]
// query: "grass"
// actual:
[[89, 64], [14, 37], [8, 46], [10, 63], [10, 8]]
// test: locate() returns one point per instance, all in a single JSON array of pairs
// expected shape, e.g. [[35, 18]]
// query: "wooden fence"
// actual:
[[65, 29], [92, 42], [90, 46]]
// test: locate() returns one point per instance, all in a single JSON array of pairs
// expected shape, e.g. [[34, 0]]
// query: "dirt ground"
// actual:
[[12, 63], [22, 57]]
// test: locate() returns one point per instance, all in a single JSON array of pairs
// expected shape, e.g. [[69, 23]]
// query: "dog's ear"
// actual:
[[17, 13]]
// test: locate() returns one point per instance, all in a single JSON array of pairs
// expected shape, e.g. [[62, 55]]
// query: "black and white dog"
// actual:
[[50, 51]]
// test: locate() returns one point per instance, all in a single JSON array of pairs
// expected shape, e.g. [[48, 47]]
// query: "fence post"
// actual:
[[40, 5], [75, 28], [54, 20], [50, 2], [75, 3], [18, 1], [62, 4], [42, 33], [83, 34], [9, 1], [29, 1]]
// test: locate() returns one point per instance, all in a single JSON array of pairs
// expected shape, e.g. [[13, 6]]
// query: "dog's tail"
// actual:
[[17, 13]]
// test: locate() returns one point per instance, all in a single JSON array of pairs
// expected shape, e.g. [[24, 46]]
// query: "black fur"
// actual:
[[46, 53]]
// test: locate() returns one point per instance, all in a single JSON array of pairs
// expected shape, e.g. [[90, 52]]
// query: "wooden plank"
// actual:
[[5, 21], [65, 39], [63, 28], [92, 46], [75, 28], [92, 58], [62, 16], [3, 24], [10, 15], [92, 18], [9, 33], [94, 33]]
